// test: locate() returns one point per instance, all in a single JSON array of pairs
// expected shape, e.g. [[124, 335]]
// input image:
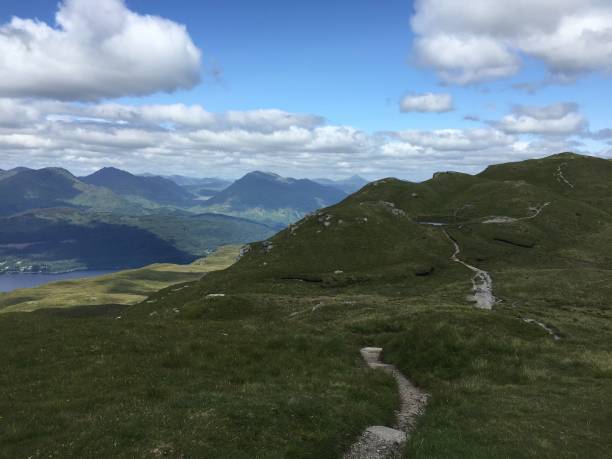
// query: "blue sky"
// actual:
[[349, 63]]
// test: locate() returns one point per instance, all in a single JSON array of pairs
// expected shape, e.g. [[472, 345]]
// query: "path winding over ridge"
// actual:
[[380, 442], [504, 220], [482, 283]]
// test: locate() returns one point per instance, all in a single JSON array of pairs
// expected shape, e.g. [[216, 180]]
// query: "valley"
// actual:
[[49, 218], [262, 358], [305, 230]]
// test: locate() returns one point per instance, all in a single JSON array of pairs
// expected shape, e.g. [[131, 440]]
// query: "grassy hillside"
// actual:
[[54, 240], [121, 288], [272, 369], [24, 189]]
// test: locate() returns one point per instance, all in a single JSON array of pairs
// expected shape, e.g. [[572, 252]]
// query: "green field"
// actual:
[[272, 368], [124, 287]]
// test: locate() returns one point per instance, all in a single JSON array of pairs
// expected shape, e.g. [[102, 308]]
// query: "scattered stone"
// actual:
[[415, 195], [163, 450], [394, 210], [499, 219], [338, 271], [154, 313], [243, 251], [176, 310], [215, 295], [378, 442]]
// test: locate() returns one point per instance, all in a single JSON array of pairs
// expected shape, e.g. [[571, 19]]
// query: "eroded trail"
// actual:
[[482, 283], [381, 442], [562, 178], [536, 210], [542, 325]]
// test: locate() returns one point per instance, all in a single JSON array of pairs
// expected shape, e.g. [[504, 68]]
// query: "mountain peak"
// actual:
[[111, 171], [264, 190], [270, 176], [154, 189]]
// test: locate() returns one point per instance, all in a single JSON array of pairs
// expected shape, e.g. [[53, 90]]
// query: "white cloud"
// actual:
[[456, 139], [485, 40], [463, 60], [557, 119], [190, 140], [428, 102], [95, 51], [181, 117]]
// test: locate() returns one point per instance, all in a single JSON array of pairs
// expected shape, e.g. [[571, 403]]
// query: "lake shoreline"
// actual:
[[11, 281]]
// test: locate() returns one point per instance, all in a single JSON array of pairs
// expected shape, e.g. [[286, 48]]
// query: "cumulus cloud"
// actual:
[[187, 139], [427, 103], [557, 119], [95, 52], [486, 40], [183, 117], [456, 139]]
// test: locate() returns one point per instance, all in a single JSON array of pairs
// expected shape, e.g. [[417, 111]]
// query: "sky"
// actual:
[[306, 89]]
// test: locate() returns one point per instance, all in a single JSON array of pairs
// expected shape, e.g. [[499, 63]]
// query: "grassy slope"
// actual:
[[123, 287], [67, 239], [271, 370]]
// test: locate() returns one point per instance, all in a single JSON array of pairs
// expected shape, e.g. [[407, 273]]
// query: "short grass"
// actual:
[[160, 383], [279, 375], [272, 368], [124, 287]]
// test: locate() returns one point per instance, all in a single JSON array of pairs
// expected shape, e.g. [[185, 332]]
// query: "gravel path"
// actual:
[[381, 442], [506, 220], [482, 283]]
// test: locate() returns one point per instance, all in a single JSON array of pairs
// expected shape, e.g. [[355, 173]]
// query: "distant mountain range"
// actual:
[[212, 183], [348, 185], [52, 221], [170, 219], [206, 186]]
